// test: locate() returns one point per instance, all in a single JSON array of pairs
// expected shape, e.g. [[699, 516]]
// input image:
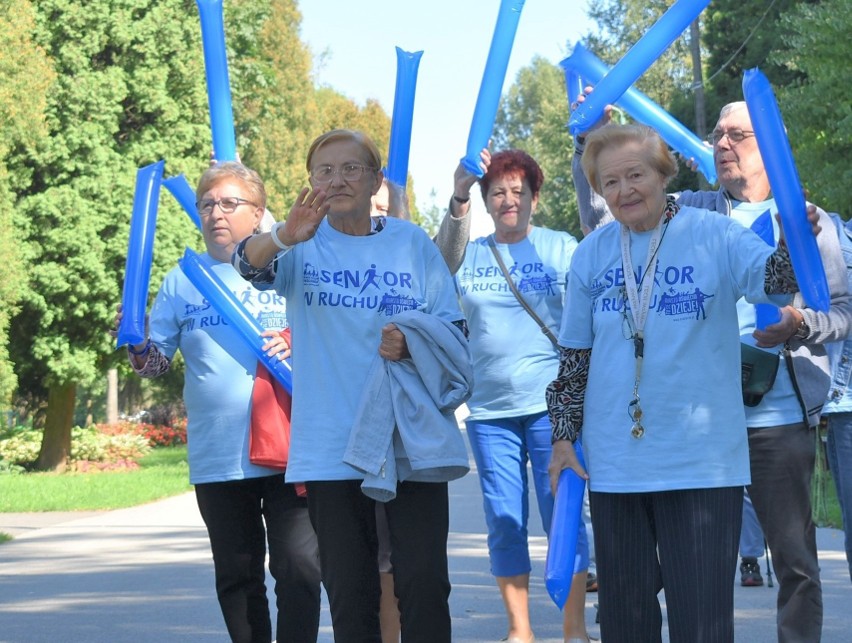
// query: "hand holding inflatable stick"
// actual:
[[564, 526], [634, 63], [492, 83], [640, 107], [140, 250], [226, 304], [403, 113], [786, 188], [218, 86]]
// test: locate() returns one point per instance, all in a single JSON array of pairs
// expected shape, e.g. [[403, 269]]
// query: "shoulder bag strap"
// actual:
[[518, 296]]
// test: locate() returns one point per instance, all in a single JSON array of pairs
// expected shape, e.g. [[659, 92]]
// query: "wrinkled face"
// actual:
[[634, 191], [381, 202], [345, 196], [738, 163], [222, 231], [511, 203]]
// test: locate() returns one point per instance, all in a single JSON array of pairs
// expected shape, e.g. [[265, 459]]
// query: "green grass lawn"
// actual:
[[162, 473]]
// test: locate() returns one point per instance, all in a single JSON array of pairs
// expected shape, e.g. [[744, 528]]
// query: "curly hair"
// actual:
[[237, 172]]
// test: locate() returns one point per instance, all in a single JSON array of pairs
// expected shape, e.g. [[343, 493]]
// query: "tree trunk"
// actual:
[[112, 396], [698, 86], [56, 443]]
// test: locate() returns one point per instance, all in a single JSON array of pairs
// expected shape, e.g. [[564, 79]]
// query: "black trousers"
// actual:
[[418, 520], [241, 516], [782, 467], [685, 541]]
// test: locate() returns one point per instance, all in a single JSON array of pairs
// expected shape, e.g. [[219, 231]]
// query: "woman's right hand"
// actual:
[[562, 457], [463, 180], [305, 216], [113, 332]]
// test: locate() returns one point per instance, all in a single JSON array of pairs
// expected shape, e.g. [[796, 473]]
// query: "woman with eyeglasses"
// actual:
[[244, 506], [650, 375], [350, 280]]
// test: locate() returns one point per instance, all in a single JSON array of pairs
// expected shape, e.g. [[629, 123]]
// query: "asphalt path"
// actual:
[[145, 574]]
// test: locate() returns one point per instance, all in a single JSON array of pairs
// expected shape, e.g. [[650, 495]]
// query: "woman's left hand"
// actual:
[[277, 344], [393, 346], [562, 457]]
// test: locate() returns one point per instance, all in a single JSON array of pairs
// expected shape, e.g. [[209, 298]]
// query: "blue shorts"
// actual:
[[502, 447]]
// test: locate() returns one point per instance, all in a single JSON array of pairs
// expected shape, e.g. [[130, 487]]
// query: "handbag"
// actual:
[[759, 369], [519, 297]]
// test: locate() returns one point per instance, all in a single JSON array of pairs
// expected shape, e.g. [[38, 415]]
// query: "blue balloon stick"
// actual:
[[643, 109], [765, 314], [140, 253], [226, 304], [492, 83], [218, 87], [185, 196], [403, 114], [635, 62], [564, 528], [786, 188]]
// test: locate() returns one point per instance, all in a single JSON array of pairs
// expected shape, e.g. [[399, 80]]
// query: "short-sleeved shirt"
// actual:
[[220, 369], [690, 391], [513, 360], [341, 290]]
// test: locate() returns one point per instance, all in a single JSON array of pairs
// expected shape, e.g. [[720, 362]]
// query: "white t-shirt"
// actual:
[[341, 290], [695, 430], [513, 361]]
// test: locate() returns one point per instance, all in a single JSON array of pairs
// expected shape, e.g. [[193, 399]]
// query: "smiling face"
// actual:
[[511, 203], [739, 166], [346, 198], [222, 231], [634, 191]]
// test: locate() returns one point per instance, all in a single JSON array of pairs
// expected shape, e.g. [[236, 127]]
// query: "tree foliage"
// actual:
[[25, 75], [816, 105]]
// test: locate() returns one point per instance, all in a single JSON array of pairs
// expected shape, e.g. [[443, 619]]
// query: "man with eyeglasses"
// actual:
[[781, 427]]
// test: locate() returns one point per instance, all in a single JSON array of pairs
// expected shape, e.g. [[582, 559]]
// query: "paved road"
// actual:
[[145, 574]]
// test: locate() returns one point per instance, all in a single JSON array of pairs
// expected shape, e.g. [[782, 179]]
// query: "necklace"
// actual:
[[639, 296]]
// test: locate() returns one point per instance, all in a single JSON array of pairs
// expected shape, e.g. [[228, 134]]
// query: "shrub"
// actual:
[[156, 435]]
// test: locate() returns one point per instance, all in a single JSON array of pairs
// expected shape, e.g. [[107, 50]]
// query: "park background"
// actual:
[[91, 91]]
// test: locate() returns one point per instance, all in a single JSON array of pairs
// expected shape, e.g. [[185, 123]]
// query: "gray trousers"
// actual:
[[782, 466]]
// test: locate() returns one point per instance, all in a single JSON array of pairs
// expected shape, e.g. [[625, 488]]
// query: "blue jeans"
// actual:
[[502, 447], [751, 536], [840, 461]]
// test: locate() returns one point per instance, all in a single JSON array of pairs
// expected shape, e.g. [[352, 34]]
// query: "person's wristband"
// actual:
[[142, 352], [458, 199], [275, 238]]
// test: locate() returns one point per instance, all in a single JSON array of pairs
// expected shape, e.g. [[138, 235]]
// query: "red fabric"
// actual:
[[269, 431]]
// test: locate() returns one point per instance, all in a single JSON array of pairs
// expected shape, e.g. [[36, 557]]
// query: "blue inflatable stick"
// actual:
[[635, 62], [564, 527], [492, 83], [140, 252], [765, 314], [226, 304], [786, 189], [185, 195], [403, 113], [643, 109], [218, 87]]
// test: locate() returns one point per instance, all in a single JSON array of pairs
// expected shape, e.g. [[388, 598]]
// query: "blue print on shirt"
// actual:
[[385, 291]]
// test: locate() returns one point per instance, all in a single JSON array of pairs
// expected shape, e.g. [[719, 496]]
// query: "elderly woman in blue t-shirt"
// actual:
[[650, 375]]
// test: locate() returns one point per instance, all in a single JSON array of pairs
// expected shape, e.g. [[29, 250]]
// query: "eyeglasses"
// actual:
[[350, 172], [734, 135], [226, 204]]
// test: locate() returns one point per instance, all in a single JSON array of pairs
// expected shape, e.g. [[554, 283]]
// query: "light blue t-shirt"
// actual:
[[513, 361], [691, 396], [341, 290], [781, 404], [220, 369]]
